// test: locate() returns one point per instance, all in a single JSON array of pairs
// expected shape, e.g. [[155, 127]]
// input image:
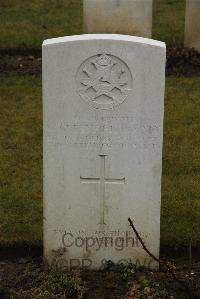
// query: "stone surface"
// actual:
[[192, 24], [133, 17], [103, 124]]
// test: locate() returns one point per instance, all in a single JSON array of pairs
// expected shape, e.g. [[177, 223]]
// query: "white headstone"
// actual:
[[192, 24], [133, 17], [103, 124]]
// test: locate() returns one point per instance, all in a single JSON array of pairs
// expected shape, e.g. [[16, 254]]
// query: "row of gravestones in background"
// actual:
[[135, 18]]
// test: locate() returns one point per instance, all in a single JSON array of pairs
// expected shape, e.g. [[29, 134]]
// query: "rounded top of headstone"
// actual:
[[116, 37]]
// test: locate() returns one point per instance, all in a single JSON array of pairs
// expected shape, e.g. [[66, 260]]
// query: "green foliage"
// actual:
[[126, 270]]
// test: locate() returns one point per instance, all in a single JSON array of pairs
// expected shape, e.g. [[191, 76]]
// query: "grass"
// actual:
[[25, 24], [181, 162], [21, 161], [169, 21]]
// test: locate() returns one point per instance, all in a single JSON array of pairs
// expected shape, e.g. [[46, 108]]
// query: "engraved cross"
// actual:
[[102, 181]]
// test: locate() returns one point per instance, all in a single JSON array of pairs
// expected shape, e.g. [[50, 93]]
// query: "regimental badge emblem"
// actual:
[[104, 81]]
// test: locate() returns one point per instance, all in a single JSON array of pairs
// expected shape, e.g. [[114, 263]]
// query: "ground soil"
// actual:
[[180, 62], [20, 64], [31, 278]]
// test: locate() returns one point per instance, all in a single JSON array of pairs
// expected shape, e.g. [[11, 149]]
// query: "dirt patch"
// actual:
[[32, 278], [23, 250], [20, 64], [180, 62]]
